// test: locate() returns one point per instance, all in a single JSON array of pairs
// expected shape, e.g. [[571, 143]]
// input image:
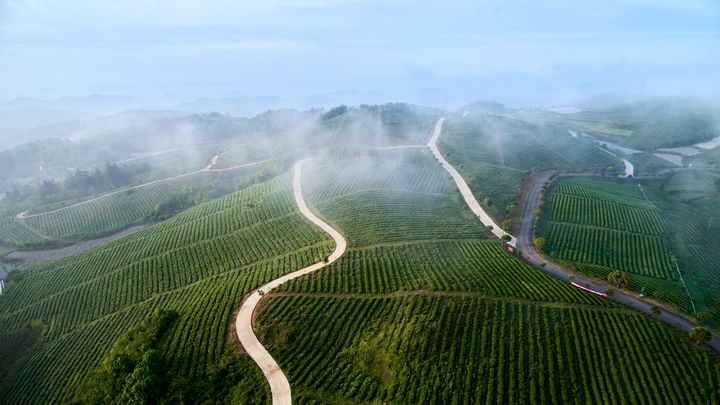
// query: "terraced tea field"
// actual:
[[103, 215], [199, 263], [607, 224], [451, 349], [603, 225], [461, 321]]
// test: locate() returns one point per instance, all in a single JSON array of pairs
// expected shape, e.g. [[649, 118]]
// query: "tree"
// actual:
[[487, 201], [336, 111], [507, 238], [660, 294], [702, 317], [540, 242], [507, 224], [609, 292], [510, 208], [536, 213], [618, 278], [655, 310], [571, 277], [700, 334]]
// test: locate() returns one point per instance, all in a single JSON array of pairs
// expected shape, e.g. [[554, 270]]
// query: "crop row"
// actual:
[[14, 233], [635, 253], [111, 212], [478, 266], [152, 261], [421, 157], [220, 217], [581, 210], [346, 177], [583, 154], [122, 284], [374, 217], [453, 350], [198, 337], [627, 194]]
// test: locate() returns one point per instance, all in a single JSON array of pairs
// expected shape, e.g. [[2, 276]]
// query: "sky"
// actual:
[[506, 50]]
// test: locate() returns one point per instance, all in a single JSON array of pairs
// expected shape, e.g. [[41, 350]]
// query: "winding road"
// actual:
[[464, 189], [527, 247], [279, 385]]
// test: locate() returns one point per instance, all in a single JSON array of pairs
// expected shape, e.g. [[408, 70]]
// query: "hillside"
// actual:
[[198, 264], [598, 226], [454, 321], [424, 306]]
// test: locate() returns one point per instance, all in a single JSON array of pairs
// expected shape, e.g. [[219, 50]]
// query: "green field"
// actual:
[[387, 196], [612, 226], [115, 211], [423, 307], [199, 264], [450, 349], [495, 153], [607, 224], [461, 321]]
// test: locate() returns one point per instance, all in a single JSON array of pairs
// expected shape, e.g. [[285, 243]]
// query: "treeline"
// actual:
[[82, 183]]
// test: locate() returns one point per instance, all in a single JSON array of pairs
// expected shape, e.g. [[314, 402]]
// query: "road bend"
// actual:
[[279, 385], [463, 187], [527, 247]]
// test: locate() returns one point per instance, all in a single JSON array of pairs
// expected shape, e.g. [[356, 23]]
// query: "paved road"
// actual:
[[279, 385], [464, 189], [526, 246]]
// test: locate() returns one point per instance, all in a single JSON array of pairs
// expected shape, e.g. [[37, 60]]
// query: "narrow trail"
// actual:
[[464, 189], [279, 385], [209, 168], [527, 247]]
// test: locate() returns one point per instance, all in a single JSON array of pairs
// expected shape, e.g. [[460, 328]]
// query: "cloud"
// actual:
[[131, 42]]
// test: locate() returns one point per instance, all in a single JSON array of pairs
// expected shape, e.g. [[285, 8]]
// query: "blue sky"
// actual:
[[278, 47]]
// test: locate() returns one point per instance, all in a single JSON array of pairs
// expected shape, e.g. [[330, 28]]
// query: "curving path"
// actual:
[[464, 189], [209, 168], [527, 247], [279, 385]]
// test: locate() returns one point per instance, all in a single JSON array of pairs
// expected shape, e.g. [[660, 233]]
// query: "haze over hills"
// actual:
[[359, 202], [206, 212]]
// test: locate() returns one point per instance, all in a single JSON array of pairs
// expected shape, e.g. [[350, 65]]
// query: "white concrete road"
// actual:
[[279, 385], [464, 189]]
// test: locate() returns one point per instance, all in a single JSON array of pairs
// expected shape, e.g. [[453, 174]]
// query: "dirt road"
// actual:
[[35, 256], [527, 247], [279, 385]]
